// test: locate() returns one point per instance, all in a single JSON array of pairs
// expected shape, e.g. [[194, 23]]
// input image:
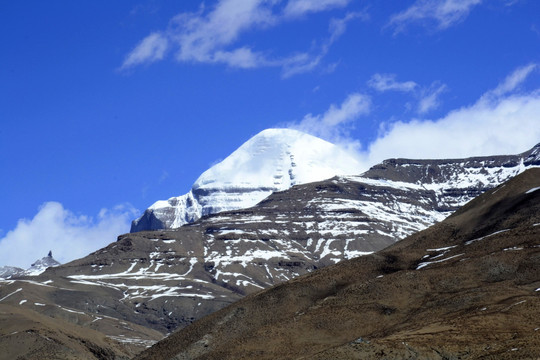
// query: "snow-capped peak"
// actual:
[[273, 160], [278, 159], [41, 265], [35, 269]]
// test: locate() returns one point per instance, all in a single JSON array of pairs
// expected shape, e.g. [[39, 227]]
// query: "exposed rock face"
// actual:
[[464, 288], [273, 160]]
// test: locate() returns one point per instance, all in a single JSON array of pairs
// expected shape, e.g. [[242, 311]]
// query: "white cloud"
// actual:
[[430, 98], [535, 30], [241, 58], [333, 125], [151, 48], [386, 82], [200, 36], [213, 35], [69, 236], [338, 26], [444, 13], [302, 63], [301, 7], [507, 124], [513, 80]]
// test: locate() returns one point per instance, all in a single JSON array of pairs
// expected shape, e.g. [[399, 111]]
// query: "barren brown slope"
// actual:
[[468, 287], [26, 334]]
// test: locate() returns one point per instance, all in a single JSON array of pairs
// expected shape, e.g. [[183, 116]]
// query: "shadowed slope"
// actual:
[[26, 334], [468, 287]]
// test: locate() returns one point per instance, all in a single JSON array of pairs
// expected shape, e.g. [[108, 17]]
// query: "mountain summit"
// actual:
[[42, 264], [39, 266], [273, 160]]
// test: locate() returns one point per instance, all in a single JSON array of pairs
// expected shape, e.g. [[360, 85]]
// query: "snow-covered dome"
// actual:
[[273, 160]]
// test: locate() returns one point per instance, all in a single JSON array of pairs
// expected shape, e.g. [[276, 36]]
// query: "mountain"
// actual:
[[273, 160], [7, 272], [466, 288], [39, 266], [150, 283], [42, 264]]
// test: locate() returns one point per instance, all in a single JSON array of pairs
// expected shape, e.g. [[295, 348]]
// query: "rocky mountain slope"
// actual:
[[7, 272], [150, 283], [468, 287], [273, 160]]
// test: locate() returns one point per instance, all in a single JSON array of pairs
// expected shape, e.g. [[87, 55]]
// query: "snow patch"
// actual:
[[442, 249], [483, 237], [134, 341], [424, 264], [514, 248], [71, 311], [8, 295]]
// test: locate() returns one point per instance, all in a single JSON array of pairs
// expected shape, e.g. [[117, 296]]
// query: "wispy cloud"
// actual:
[[513, 81], [441, 13], [535, 29], [305, 62], [69, 236], [430, 98], [152, 48], [301, 7], [386, 82], [504, 124], [334, 124], [213, 35]]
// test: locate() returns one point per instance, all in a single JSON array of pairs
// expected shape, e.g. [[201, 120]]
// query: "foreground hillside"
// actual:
[[468, 287]]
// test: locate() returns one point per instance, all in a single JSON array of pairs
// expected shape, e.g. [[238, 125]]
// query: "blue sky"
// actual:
[[107, 107]]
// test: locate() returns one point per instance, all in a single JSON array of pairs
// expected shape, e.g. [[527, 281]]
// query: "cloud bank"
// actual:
[[508, 125], [69, 236], [504, 120]]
